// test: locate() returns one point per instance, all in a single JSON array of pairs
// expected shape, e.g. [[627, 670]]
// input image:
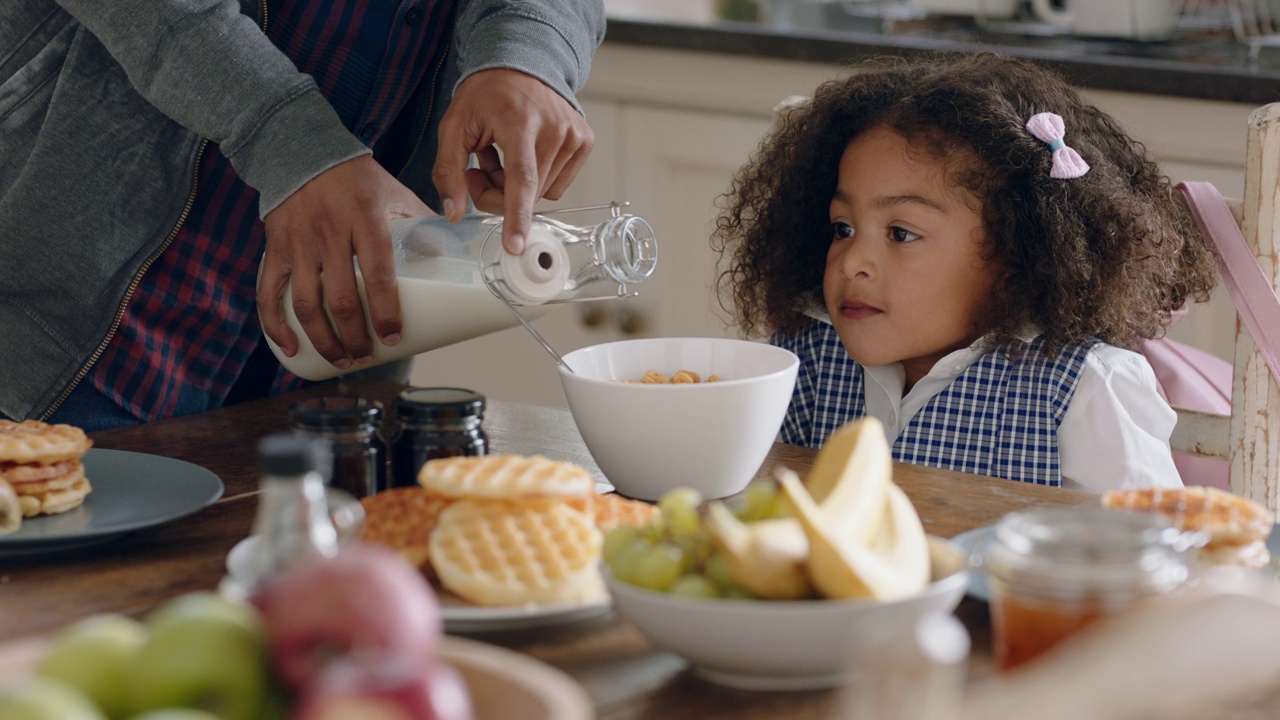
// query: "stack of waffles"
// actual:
[[503, 529], [40, 470]]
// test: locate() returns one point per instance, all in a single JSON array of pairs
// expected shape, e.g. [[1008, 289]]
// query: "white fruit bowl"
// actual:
[[787, 644], [650, 438]]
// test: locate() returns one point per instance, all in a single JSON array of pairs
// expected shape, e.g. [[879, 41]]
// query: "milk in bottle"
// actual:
[[455, 280]]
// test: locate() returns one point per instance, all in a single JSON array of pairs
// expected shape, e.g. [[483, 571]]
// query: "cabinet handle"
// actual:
[[593, 315], [631, 322]]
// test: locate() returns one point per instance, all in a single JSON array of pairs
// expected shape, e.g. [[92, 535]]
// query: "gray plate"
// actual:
[[974, 542], [131, 491]]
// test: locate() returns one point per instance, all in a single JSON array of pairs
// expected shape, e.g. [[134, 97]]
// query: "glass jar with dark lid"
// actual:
[[350, 424], [435, 422]]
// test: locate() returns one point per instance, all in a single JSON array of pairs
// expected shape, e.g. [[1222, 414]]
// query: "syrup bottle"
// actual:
[[293, 519]]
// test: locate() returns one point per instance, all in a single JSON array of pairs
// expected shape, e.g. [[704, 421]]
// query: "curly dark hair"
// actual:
[[1103, 256]]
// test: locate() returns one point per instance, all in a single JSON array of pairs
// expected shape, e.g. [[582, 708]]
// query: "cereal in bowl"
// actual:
[[653, 377]]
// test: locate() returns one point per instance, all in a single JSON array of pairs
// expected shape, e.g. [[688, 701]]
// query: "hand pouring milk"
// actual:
[[455, 280]]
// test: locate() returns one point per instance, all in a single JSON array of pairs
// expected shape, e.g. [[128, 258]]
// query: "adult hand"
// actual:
[[311, 239], [544, 143]]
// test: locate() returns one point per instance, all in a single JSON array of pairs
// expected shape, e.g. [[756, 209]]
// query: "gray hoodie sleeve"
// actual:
[[212, 70], [552, 40]]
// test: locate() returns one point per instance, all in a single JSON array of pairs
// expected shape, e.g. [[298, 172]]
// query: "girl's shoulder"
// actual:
[[1125, 375], [1109, 361], [1098, 355]]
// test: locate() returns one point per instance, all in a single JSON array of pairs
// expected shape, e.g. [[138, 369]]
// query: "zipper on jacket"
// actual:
[[133, 285], [137, 278]]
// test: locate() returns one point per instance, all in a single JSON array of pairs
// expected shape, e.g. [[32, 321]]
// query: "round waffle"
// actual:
[[1227, 518], [403, 519], [37, 479], [504, 477], [1237, 527], [611, 510], [494, 552], [54, 501], [32, 441]]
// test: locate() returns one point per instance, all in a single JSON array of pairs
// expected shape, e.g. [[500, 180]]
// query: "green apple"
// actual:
[[203, 652], [207, 604], [176, 714], [41, 698], [96, 656]]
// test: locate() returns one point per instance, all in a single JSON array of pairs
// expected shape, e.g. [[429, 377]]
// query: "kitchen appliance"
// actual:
[[1133, 19]]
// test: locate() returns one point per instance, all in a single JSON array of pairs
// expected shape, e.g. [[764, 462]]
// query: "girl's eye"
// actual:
[[902, 235], [840, 230]]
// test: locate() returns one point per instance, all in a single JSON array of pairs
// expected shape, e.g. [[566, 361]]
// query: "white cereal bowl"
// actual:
[[650, 438], [787, 644]]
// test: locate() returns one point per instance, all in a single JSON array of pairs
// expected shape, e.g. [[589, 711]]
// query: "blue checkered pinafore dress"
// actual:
[[999, 417]]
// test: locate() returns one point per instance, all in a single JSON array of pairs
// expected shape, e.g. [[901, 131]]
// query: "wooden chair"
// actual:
[[1248, 439]]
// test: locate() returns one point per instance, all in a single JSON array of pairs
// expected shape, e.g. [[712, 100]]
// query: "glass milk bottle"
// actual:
[[457, 282]]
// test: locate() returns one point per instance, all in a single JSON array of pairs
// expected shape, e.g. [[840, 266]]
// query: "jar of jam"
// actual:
[[436, 422], [350, 424], [1055, 571]]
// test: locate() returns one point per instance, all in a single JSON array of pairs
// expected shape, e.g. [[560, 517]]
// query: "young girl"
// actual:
[[966, 250]]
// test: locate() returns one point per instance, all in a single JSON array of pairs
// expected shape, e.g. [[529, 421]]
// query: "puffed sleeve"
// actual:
[[1115, 433]]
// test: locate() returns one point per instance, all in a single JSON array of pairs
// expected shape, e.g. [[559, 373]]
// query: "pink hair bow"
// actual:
[[1048, 128]]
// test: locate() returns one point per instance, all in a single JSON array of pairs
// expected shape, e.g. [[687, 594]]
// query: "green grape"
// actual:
[[696, 549], [618, 538], [694, 586], [655, 530], [659, 566], [757, 499], [682, 522], [737, 592], [677, 502], [779, 507], [626, 560], [716, 568]]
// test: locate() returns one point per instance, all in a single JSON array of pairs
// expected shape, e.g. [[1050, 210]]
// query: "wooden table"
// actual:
[[625, 675]]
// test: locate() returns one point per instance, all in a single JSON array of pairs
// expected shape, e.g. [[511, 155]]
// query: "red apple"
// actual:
[[378, 686], [367, 598]]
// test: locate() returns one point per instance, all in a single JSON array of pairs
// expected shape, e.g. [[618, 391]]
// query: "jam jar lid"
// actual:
[[438, 403], [335, 412], [1089, 548]]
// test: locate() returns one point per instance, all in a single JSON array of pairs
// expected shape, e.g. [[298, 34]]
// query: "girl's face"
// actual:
[[905, 279]]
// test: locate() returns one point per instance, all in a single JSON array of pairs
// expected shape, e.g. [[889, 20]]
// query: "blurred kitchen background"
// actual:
[[682, 92]]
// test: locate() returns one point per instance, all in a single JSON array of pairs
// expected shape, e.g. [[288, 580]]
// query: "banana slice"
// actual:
[[895, 565], [766, 557], [850, 476], [10, 509]]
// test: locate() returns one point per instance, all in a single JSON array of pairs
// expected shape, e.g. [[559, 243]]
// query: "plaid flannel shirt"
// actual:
[[191, 325]]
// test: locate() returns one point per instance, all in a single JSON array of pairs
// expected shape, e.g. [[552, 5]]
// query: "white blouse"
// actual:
[[1113, 435]]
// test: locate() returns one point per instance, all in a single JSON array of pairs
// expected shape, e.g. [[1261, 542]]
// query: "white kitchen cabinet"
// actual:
[[671, 128], [678, 162]]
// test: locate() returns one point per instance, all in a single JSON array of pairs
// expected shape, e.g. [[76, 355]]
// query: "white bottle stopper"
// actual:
[[538, 274]]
